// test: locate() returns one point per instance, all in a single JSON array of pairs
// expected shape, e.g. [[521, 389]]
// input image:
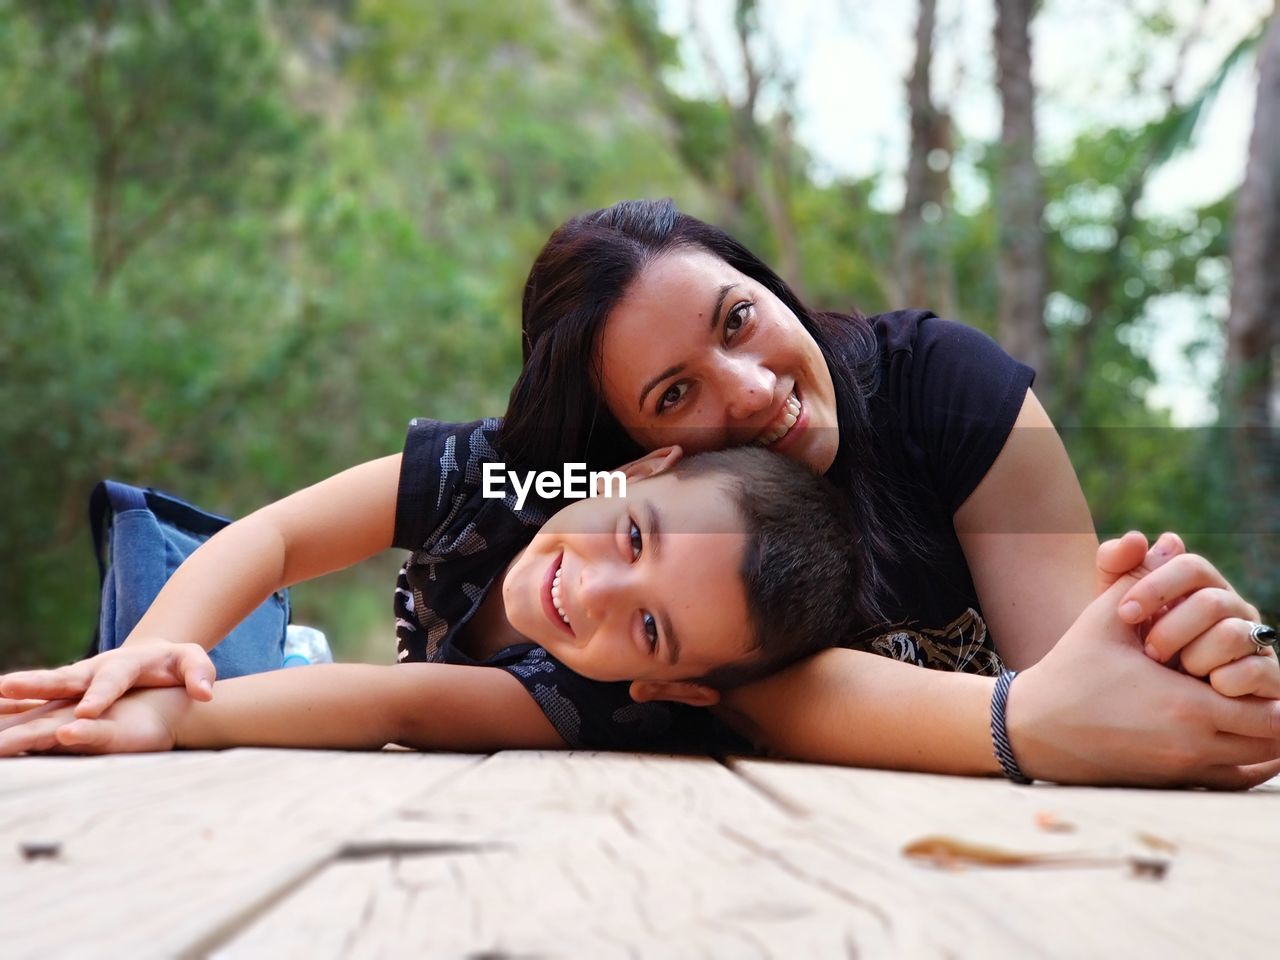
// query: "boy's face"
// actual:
[[650, 583]]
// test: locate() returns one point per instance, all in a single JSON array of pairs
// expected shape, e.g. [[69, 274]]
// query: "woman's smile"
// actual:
[[786, 426]]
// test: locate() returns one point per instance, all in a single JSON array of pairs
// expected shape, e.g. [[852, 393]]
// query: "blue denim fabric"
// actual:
[[143, 553]]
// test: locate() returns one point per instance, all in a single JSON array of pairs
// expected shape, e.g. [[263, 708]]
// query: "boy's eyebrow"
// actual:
[[655, 545], [672, 371]]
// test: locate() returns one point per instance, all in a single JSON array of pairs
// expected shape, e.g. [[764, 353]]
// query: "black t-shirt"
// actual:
[[947, 399]]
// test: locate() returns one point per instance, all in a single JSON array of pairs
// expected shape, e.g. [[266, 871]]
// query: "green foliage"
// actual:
[[241, 247], [241, 244]]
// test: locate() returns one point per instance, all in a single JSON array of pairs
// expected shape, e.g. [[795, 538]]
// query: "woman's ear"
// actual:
[[652, 464], [681, 691]]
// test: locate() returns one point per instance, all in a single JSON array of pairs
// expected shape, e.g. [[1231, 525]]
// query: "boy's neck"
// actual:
[[489, 630]]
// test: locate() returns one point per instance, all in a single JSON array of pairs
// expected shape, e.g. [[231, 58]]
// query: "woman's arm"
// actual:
[[860, 709], [1029, 541], [429, 706], [1096, 709]]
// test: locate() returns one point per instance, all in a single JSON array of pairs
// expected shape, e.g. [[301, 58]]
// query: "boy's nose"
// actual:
[[600, 587]]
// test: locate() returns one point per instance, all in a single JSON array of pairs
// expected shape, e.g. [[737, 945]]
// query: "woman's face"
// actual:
[[700, 355]]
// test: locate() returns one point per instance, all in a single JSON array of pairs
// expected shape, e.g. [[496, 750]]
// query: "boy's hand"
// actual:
[[100, 681], [133, 724], [1206, 632]]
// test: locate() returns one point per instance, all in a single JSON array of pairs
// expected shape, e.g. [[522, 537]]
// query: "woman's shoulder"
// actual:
[[919, 332]]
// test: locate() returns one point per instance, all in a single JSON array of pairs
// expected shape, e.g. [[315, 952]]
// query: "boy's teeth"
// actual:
[[555, 596]]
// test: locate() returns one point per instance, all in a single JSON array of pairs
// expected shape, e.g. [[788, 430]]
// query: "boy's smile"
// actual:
[[551, 596], [643, 588]]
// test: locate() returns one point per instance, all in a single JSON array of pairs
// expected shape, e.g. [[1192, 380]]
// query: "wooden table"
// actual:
[[270, 853]]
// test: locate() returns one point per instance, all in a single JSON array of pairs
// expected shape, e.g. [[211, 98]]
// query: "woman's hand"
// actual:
[[1205, 629], [100, 681], [136, 723], [1097, 709]]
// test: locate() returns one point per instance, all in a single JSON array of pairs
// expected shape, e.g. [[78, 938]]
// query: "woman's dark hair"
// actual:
[[556, 414], [801, 570]]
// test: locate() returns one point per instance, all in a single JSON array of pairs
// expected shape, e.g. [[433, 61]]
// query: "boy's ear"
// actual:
[[652, 464], [681, 691]]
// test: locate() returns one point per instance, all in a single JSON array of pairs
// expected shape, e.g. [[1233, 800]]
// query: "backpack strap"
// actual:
[[108, 498], [180, 513]]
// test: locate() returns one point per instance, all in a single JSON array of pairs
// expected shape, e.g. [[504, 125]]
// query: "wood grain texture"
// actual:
[[575, 855], [253, 853], [160, 852], [1222, 846]]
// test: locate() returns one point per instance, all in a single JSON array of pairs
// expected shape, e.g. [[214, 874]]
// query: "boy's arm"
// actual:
[[333, 524], [357, 706], [325, 527], [428, 706]]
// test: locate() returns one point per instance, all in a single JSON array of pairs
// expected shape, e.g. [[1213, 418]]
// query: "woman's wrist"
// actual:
[[1000, 744]]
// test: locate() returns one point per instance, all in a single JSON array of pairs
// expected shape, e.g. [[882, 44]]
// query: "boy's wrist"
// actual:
[[172, 705], [143, 639]]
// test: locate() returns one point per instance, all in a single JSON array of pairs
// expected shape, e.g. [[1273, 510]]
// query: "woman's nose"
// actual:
[[747, 388]]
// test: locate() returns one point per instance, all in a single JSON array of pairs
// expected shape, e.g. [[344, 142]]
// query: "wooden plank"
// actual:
[[1224, 845], [161, 852], [560, 854]]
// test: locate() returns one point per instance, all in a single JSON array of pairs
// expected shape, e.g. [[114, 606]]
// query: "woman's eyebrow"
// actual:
[[715, 310], [669, 372], [672, 371], [655, 547]]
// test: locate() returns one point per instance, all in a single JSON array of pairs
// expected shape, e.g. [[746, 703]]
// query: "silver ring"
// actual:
[[1264, 638]]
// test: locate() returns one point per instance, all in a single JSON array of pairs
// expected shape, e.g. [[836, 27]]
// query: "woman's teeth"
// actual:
[[789, 418], [555, 596]]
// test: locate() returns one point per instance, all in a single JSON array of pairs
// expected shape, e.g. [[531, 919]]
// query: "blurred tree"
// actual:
[[923, 267], [141, 142], [1022, 264], [1253, 329], [747, 160], [242, 243], [1136, 155]]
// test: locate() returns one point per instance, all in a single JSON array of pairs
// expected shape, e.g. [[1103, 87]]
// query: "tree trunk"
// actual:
[[1252, 394], [923, 269], [1021, 270]]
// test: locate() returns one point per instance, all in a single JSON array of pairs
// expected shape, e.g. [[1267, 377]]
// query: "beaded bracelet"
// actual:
[[999, 735]]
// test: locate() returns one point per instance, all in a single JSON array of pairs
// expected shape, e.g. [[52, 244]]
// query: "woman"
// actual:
[[644, 327], [978, 536]]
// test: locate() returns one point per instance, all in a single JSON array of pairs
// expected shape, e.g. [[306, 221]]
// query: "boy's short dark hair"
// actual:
[[801, 570]]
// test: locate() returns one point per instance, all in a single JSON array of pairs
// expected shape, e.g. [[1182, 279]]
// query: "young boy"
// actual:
[[608, 622]]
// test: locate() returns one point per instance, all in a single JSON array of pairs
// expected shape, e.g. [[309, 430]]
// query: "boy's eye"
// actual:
[[651, 631], [737, 317], [672, 395], [637, 542]]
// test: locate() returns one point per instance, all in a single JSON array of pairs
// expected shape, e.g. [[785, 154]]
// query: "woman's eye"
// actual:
[[672, 395], [737, 317], [637, 542], [651, 631]]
